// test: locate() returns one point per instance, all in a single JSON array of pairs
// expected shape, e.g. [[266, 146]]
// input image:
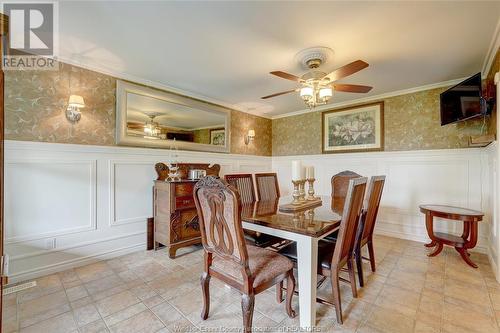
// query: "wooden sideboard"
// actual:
[[175, 218]]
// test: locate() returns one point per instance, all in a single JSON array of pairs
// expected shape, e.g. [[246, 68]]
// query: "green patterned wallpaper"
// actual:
[[35, 103], [411, 122]]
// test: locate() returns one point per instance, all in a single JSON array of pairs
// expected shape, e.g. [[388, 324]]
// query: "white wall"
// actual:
[[66, 205], [459, 177], [92, 202]]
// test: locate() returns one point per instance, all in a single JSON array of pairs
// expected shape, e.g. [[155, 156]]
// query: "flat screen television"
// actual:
[[462, 101]]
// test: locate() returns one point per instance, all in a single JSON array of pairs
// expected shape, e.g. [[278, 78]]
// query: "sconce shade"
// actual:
[[76, 101], [251, 133]]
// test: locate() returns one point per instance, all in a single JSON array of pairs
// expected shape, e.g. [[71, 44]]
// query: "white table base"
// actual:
[[307, 265]]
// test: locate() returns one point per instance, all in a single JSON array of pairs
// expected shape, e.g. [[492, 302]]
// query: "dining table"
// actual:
[[304, 226]]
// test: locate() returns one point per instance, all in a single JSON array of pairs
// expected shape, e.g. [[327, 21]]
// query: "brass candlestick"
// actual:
[[302, 190], [296, 192], [310, 192]]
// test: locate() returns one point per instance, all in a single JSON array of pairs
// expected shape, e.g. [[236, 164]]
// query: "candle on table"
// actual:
[[296, 170], [302, 173], [310, 172]]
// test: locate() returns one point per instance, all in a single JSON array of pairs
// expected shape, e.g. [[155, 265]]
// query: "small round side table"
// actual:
[[468, 239]]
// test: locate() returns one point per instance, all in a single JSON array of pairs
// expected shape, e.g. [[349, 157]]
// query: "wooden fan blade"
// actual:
[[278, 94], [287, 76], [346, 70], [353, 88]]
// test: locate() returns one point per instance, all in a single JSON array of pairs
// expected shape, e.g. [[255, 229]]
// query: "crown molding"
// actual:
[[155, 85], [492, 51], [373, 98]]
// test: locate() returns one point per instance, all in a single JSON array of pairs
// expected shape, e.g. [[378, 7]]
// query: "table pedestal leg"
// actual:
[[431, 244]]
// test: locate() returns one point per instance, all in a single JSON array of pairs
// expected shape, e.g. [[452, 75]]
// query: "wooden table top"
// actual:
[[314, 222], [451, 212]]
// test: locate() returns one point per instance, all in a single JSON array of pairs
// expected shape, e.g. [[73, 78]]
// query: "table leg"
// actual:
[[465, 256], [430, 230], [437, 250], [307, 265], [471, 228]]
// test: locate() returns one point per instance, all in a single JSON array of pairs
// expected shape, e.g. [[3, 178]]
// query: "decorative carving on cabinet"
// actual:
[[162, 169], [193, 224]]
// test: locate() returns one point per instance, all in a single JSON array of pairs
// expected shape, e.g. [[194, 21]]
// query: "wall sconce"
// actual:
[[75, 103], [250, 136]]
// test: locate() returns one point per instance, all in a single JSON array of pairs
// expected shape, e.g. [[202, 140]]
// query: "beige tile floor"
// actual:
[[148, 292]]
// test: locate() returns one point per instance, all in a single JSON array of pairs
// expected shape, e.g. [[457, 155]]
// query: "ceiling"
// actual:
[[225, 50], [140, 108]]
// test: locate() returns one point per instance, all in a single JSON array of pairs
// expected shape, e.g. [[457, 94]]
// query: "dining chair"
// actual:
[[249, 269], [267, 186], [244, 184], [340, 184], [334, 255], [369, 216]]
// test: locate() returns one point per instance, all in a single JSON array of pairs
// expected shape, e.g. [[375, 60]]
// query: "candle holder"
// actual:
[[302, 190], [310, 192], [296, 192]]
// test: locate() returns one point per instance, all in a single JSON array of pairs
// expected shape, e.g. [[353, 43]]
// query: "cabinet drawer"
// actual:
[[184, 189], [184, 202]]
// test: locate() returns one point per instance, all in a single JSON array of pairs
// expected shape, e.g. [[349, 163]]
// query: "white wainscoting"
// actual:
[[67, 205], [458, 177]]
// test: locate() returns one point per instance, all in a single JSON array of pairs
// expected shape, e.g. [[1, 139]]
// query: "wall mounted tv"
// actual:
[[463, 101]]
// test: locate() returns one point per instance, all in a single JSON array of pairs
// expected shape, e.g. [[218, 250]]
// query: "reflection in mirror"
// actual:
[[150, 117], [158, 119]]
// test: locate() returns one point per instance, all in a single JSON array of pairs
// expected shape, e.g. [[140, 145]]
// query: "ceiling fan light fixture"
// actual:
[[306, 93], [325, 94]]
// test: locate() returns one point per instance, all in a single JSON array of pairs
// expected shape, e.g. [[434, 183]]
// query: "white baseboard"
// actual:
[[65, 265]]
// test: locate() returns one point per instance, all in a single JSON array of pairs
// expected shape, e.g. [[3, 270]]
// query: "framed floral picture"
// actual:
[[217, 136], [354, 129]]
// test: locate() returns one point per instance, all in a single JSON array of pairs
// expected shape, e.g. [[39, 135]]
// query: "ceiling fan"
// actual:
[[317, 87]]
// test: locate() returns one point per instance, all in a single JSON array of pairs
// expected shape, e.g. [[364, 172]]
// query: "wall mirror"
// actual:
[[148, 117]]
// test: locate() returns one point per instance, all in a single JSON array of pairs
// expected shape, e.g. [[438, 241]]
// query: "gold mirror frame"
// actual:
[[123, 88]]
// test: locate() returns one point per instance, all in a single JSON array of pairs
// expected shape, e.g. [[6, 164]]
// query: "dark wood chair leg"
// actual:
[[290, 289], [205, 288], [371, 252], [336, 294], [279, 292], [352, 277], [247, 305], [359, 266]]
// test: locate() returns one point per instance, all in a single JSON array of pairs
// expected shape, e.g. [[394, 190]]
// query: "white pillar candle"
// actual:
[[309, 172], [302, 173], [296, 170]]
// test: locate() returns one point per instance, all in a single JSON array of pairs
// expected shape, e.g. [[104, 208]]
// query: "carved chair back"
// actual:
[[340, 185], [350, 219], [244, 184], [267, 186], [219, 213], [372, 204]]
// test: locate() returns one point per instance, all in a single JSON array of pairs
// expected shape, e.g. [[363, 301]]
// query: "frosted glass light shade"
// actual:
[[251, 133], [325, 93], [306, 92], [76, 101]]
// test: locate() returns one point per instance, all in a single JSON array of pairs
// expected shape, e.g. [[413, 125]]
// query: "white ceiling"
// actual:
[[225, 50]]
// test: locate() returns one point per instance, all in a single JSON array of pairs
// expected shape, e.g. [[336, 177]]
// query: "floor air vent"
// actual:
[[19, 287]]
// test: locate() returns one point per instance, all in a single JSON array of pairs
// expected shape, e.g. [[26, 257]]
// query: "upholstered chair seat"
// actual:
[[264, 264]]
